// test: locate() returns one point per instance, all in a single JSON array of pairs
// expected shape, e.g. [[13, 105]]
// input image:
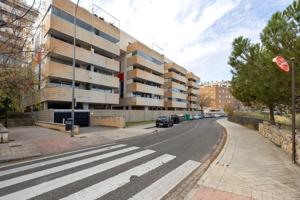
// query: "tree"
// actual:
[[17, 78], [204, 101], [256, 80]]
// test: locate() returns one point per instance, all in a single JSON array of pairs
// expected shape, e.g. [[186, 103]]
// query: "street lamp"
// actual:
[[73, 77], [293, 109], [284, 66]]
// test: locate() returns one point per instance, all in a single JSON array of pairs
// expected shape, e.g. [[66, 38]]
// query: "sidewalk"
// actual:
[[32, 141], [249, 167]]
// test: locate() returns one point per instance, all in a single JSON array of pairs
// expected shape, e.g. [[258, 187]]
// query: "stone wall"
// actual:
[[118, 122], [280, 137]]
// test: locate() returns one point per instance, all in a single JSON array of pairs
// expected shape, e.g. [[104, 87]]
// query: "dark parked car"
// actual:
[[164, 121], [176, 119]]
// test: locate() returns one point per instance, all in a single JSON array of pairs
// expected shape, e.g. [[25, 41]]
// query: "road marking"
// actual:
[[37, 174], [166, 140], [53, 156], [48, 162], [162, 186], [100, 189], [64, 180]]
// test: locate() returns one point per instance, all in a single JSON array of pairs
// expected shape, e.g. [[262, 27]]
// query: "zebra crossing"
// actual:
[[50, 177]]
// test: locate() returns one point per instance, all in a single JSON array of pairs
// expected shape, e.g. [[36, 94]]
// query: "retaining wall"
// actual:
[[281, 137]]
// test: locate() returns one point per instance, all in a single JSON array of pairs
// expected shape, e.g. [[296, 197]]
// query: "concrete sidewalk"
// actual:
[[249, 167], [32, 141]]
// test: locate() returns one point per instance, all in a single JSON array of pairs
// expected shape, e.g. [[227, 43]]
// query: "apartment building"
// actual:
[[193, 91], [16, 19], [97, 51], [142, 79], [175, 87], [219, 92]]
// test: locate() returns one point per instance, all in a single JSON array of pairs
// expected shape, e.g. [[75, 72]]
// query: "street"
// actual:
[[142, 167]]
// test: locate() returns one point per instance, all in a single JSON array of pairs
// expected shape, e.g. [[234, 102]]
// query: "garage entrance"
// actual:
[[82, 118]]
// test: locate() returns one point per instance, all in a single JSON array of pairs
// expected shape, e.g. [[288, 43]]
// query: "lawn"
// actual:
[[282, 119]]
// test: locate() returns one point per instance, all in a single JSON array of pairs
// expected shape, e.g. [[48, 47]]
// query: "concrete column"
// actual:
[[85, 106], [45, 105], [92, 68]]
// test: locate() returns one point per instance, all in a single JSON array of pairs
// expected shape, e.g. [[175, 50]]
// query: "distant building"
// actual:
[[16, 22], [219, 92]]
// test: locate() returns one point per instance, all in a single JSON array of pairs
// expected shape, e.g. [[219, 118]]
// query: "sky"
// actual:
[[196, 34]]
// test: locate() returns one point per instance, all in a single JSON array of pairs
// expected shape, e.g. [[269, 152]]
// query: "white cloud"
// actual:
[[195, 34]]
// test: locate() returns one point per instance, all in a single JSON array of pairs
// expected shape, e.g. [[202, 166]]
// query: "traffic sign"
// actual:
[[282, 63]]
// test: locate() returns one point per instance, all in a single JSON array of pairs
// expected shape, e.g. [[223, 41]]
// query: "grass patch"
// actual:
[[282, 119], [138, 123]]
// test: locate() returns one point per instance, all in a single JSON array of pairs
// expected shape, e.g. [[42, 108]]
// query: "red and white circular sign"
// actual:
[[282, 63]]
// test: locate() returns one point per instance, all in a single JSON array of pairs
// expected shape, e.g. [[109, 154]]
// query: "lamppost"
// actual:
[[293, 109], [284, 66], [73, 77]]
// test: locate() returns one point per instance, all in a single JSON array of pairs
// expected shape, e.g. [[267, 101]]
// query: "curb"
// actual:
[[189, 183]]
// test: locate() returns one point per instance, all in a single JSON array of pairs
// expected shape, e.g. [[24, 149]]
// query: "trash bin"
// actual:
[[68, 124]]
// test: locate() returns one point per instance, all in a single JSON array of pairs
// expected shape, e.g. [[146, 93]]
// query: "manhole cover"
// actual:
[[16, 145], [133, 178]]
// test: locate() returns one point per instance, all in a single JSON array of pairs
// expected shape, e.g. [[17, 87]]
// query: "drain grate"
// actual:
[[16, 145]]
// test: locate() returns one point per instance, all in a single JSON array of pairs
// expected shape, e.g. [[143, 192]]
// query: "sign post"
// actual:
[[284, 66]]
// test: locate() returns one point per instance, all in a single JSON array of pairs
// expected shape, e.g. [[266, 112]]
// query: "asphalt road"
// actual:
[[144, 167]]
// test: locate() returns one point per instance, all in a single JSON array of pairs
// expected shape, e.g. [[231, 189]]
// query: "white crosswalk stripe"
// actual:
[[161, 187], [44, 187], [74, 171], [104, 187], [37, 174], [53, 156], [35, 165]]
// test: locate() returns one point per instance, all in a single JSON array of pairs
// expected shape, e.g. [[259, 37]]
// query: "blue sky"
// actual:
[[196, 34]]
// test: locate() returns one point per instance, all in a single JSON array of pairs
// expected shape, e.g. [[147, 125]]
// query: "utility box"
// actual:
[[68, 124]]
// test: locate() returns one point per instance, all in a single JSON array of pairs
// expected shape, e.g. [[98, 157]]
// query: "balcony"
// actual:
[[192, 106], [86, 16], [141, 47], [193, 85], [175, 67], [141, 101], [193, 77], [65, 27], [175, 95], [172, 84], [138, 73], [192, 98], [193, 91], [65, 49], [175, 104], [140, 61], [85, 96], [175, 76], [139, 87], [59, 70]]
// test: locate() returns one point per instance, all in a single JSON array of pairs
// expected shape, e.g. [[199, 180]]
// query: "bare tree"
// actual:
[[204, 101]]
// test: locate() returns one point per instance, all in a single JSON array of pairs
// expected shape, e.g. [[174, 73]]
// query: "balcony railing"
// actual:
[[81, 95]]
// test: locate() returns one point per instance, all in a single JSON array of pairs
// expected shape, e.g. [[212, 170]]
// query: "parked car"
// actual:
[[198, 116], [176, 119], [181, 117], [164, 121]]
